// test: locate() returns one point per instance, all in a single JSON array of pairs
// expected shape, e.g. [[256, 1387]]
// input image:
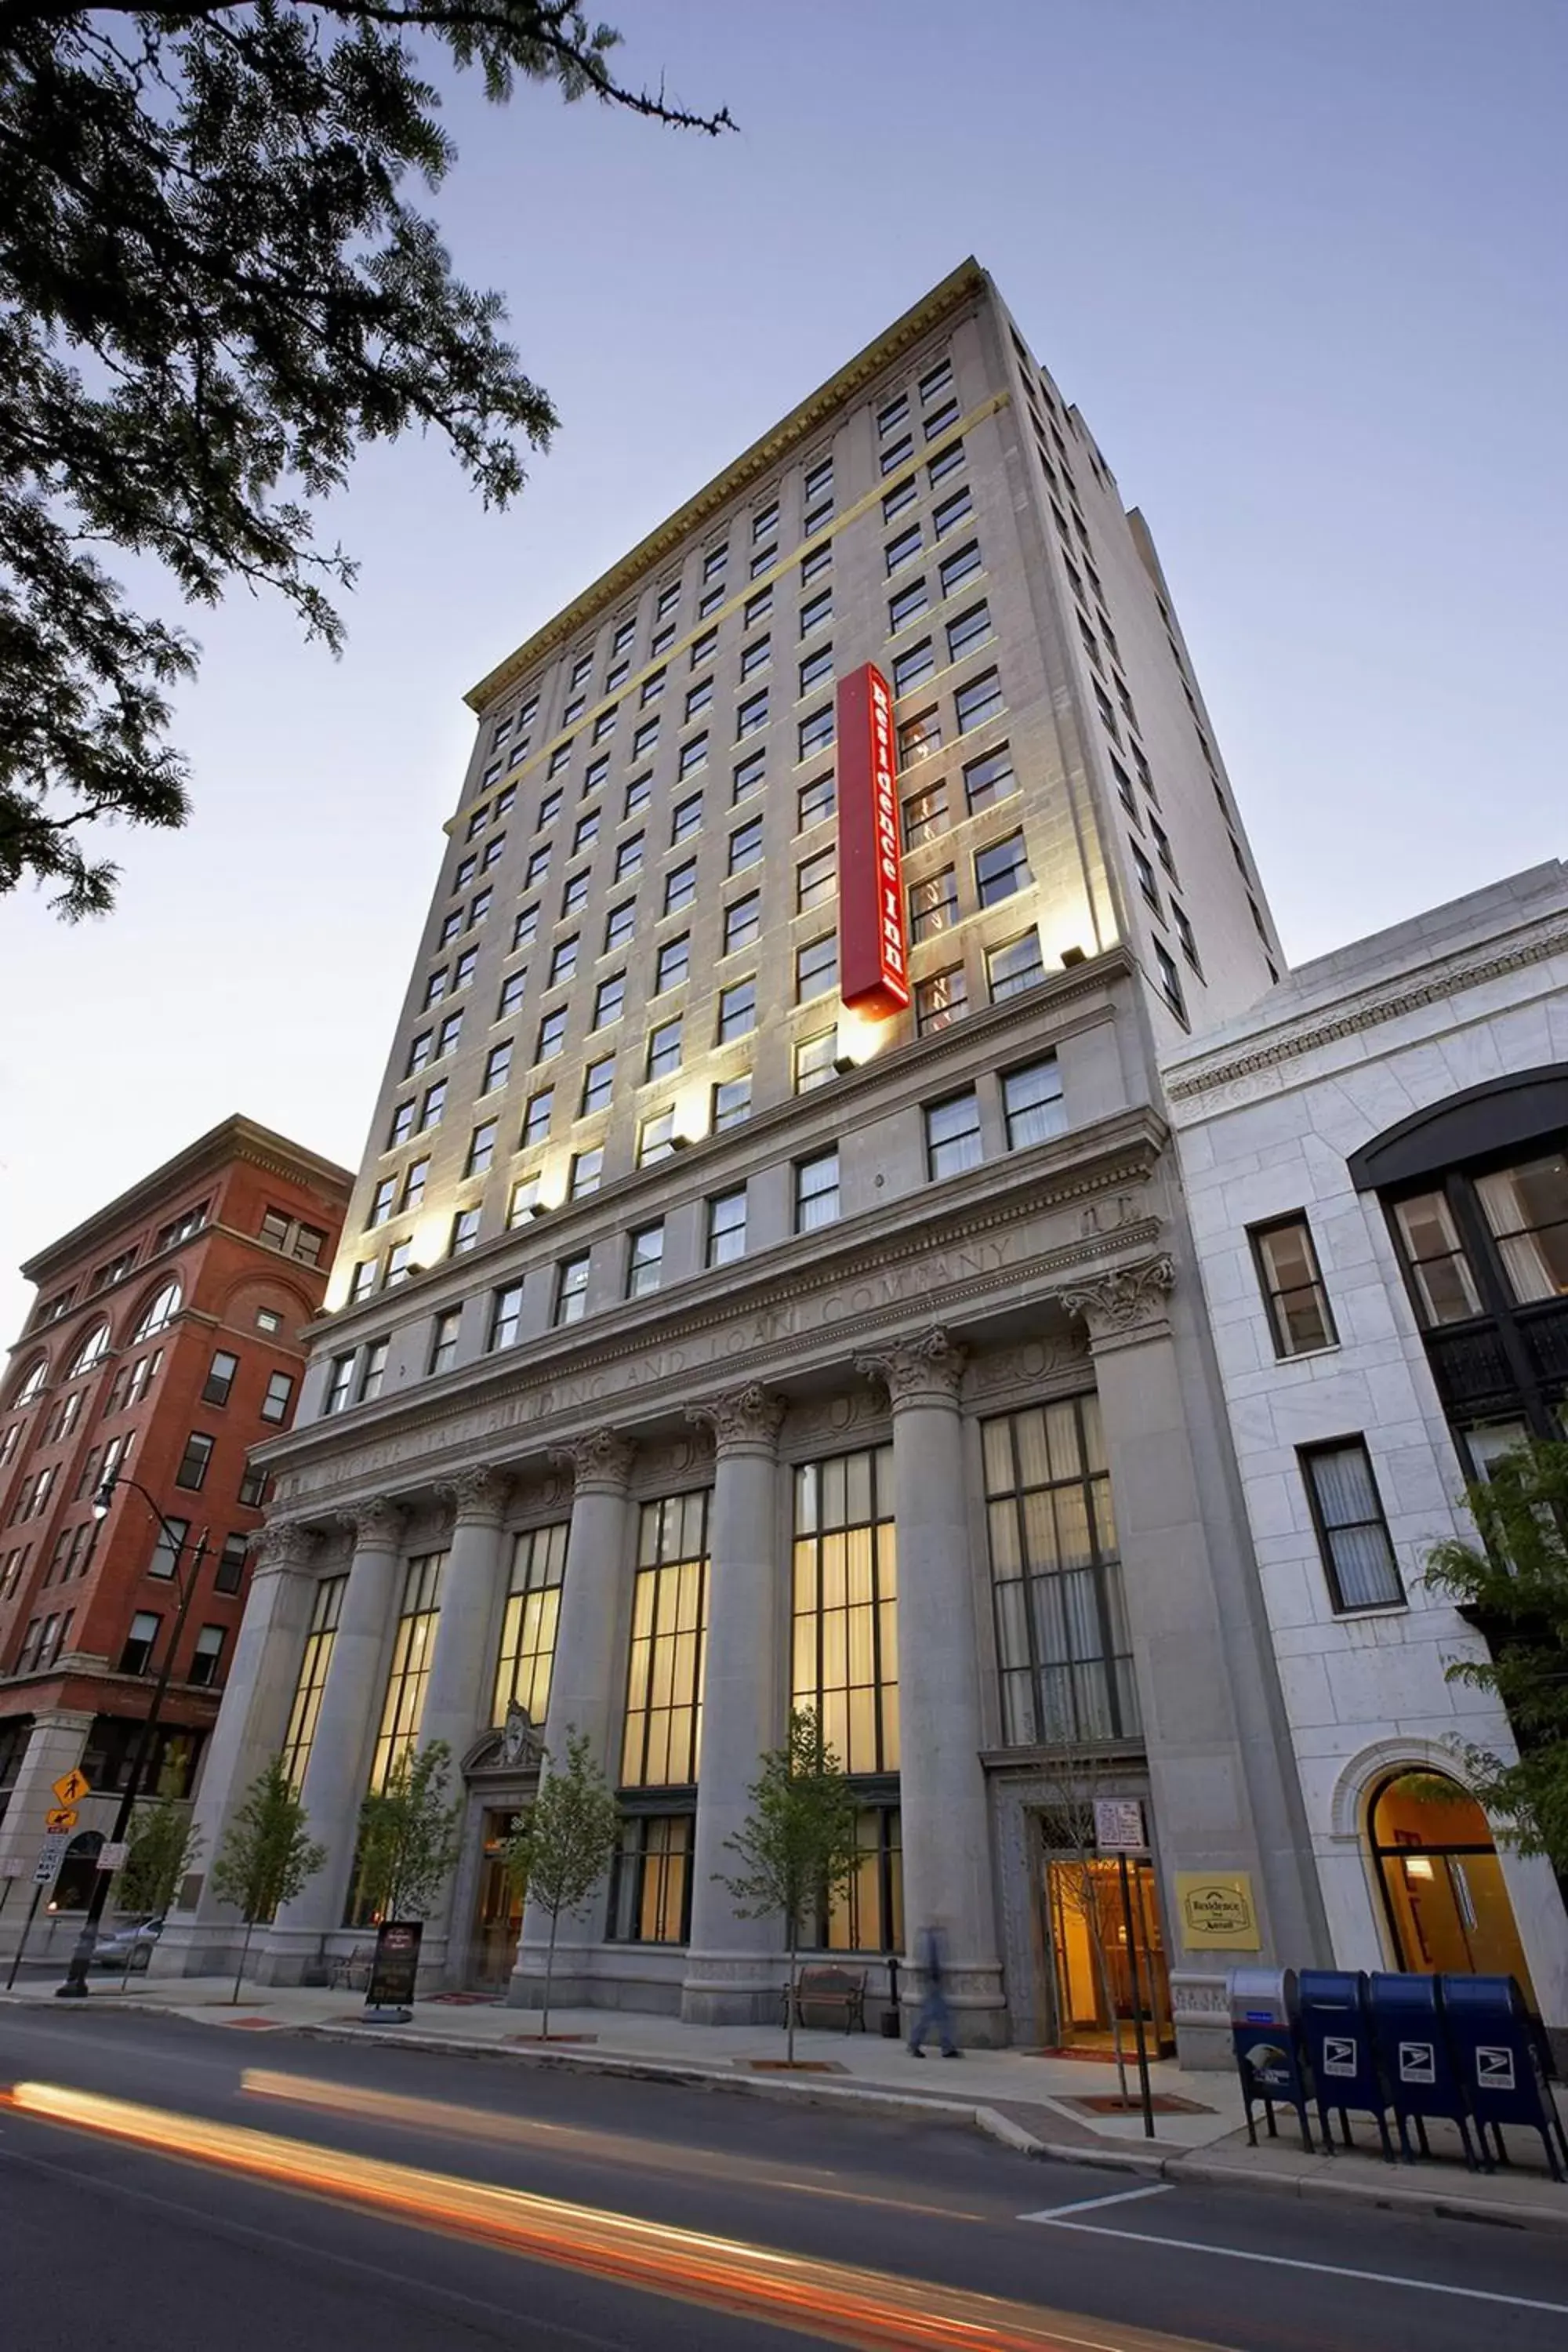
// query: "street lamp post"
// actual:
[[75, 1985]]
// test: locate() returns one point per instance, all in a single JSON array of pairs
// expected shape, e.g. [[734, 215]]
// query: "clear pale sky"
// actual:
[[1302, 266]]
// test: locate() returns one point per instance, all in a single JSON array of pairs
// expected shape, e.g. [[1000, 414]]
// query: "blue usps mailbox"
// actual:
[[1337, 2033], [1414, 2052], [1496, 2057], [1265, 2036]]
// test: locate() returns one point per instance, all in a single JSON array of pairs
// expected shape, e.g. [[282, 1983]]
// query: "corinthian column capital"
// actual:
[[744, 1419], [477, 1494], [377, 1523], [601, 1461], [282, 1545], [1123, 1298], [925, 1370]]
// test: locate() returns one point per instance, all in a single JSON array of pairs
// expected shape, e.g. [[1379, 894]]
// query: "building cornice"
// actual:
[[966, 284], [1368, 1008]]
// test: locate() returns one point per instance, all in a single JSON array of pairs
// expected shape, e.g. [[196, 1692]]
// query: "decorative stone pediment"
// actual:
[[516, 1749]]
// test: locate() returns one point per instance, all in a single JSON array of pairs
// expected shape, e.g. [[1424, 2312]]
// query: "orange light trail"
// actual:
[[867, 2310]]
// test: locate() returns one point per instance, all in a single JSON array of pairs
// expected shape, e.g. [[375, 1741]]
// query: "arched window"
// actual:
[[92, 1350], [159, 1311], [1442, 1884], [33, 1380]]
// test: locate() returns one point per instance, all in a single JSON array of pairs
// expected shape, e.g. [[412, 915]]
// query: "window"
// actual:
[[674, 964], [598, 1084], [511, 996], [742, 921], [523, 1201], [536, 1118], [419, 1052], [745, 846], [893, 453], [1001, 869], [498, 1067], [758, 607], [480, 905], [434, 1104], [645, 1260], [562, 964], [699, 697], [752, 714], [136, 1656], [895, 414], [732, 1102], [685, 818], [605, 724], [952, 512], [1107, 716], [229, 1574], [940, 999], [817, 668], [915, 663], [726, 1227], [573, 711], [819, 480], [907, 605], [960, 565], [816, 731], [157, 1316], [253, 1489], [203, 1668], [969, 630], [451, 1031], [933, 905], [278, 1397], [751, 774], [845, 1630], [1013, 967], [588, 1171], [506, 1317], [813, 1060], [737, 1010], [361, 1282], [571, 1290], [1185, 934], [1145, 874], [549, 809], [115, 1270], [713, 562], [946, 462], [952, 1136], [166, 1550], [663, 1681], [816, 968], [576, 895], [412, 1640], [582, 669], [1062, 1643], [816, 517], [919, 737], [552, 1034], [899, 501], [937, 379], [450, 928], [619, 925], [194, 1461], [629, 856], [765, 522], [481, 1149], [586, 832], [527, 1657], [443, 1333], [756, 655], [903, 548], [989, 779], [1526, 1210], [1353, 1535], [664, 1049], [656, 1138], [925, 815], [816, 879], [709, 601], [220, 1378], [399, 1263], [609, 998], [463, 970], [181, 1227], [1299, 1316], [815, 611], [1032, 1105], [680, 886], [979, 700], [1170, 981], [817, 560], [817, 800], [817, 1191], [526, 925], [652, 688], [1162, 847], [668, 601], [622, 641]]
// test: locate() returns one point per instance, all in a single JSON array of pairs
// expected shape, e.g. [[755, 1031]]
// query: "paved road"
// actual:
[[128, 2247]]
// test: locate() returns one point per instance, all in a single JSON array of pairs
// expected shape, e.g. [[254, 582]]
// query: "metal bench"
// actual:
[[842, 1989], [347, 1971]]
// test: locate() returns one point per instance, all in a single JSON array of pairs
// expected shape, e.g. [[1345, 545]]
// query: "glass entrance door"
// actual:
[[497, 1915], [1086, 1935], [1442, 1883]]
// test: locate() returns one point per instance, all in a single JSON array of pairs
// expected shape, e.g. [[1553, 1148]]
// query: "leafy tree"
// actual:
[[797, 1847], [1514, 1585], [561, 1847], [164, 1842], [266, 1856], [213, 290], [409, 1836]]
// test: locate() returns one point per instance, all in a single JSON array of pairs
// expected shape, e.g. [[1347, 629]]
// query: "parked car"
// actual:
[[129, 1947]]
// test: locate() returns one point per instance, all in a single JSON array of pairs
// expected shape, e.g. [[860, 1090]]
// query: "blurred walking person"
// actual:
[[933, 2015]]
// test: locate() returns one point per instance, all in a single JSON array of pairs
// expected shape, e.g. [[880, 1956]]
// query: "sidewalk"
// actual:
[[1043, 2107]]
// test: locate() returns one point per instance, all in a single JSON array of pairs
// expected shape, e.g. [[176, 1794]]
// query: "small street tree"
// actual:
[[266, 1856], [409, 1836], [164, 1842], [797, 1847], [561, 1847], [1513, 1585]]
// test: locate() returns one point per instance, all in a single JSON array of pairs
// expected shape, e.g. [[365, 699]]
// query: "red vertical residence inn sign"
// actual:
[[873, 948]]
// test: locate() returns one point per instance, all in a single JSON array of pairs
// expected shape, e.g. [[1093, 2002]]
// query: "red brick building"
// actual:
[[163, 1343]]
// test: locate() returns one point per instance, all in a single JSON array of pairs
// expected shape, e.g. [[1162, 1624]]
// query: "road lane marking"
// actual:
[[1293, 2262], [1089, 2204]]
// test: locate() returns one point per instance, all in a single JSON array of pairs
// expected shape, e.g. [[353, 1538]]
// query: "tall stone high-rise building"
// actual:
[[766, 1283]]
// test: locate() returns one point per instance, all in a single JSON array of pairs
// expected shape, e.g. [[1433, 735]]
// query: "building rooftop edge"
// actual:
[[959, 286], [236, 1137]]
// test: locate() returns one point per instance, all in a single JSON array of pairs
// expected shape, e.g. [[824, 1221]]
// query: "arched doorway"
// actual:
[[1443, 1887]]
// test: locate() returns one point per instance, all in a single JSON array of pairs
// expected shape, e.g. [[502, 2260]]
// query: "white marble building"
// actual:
[[1374, 1165]]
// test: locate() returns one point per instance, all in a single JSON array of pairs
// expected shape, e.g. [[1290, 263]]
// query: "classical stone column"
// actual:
[[252, 1722], [582, 1681], [339, 1766], [1221, 1774], [732, 1976], [55, 1746], [945, 1822], [462, 1659]]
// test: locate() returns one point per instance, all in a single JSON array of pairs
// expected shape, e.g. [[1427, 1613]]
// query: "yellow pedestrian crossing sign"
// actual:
[[71, 1787]]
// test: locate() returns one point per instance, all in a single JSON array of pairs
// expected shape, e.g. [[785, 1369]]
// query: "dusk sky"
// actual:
[[1302, 266]]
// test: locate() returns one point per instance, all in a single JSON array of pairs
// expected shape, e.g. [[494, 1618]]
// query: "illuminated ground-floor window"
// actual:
[[650, 1882]]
